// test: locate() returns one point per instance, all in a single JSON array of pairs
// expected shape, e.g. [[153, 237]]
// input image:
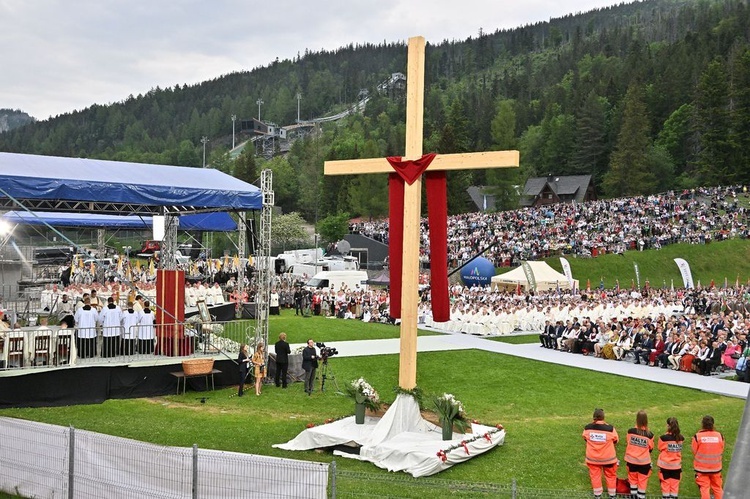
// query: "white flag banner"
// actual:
[[687, 276], [566, 271], [529, 275], [637, 275]]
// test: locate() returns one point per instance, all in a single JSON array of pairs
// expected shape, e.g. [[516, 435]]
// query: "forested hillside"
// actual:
[[13, 118], [646, 97]]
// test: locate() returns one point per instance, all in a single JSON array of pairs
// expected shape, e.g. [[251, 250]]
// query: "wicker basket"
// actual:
[[194, 367]]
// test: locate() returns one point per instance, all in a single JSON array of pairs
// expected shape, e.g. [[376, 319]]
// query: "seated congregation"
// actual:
[[703, 347]]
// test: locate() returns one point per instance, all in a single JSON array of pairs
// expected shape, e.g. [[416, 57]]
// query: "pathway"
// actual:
[[448, 341]]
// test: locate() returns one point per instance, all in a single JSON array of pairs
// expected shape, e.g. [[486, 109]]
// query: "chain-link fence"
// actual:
[[41, 460]]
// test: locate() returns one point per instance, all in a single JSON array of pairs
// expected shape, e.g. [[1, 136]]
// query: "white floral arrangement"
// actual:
[[363, 393], [450, 409]]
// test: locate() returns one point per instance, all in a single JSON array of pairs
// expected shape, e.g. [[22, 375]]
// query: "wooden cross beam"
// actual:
[[412, 200]]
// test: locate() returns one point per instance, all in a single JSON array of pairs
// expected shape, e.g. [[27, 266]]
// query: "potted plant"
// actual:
[[451, 411], [365, 397]]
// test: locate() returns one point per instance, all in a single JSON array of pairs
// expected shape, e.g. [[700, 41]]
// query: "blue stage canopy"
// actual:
[[215, 222], [74, 185]]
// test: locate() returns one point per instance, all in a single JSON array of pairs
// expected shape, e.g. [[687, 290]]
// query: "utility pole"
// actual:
[[234, 118], [259, 102], [204, 140], [299, 97]]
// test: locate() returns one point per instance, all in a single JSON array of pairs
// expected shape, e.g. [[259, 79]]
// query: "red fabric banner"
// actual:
[[437, 204], [410, 170], [395, 240], [435, 182]]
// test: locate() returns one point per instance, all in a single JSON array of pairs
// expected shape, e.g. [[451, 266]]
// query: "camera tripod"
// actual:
[[327, 372]]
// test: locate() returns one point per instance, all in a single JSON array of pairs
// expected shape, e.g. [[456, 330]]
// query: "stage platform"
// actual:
[[93, 381]]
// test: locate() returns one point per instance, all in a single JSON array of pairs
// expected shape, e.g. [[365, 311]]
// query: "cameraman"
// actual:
[[309, 364]]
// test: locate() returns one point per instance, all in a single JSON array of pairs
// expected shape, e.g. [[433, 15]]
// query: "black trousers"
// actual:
[[280, 375], [86, 347], [310, 379]]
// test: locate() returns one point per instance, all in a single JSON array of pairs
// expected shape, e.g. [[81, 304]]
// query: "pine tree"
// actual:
[[740, 136], [629, 172], [504, 181], [712, 124], [244, 167], [591, 151]]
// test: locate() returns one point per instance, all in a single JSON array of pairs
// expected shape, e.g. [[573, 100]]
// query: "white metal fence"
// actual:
[[42, 460], [51, 346]]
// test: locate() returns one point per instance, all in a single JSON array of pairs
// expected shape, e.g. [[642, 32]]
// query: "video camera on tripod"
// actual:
[[326, 352]]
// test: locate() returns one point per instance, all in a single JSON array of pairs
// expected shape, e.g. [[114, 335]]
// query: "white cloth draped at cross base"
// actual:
[[399, 441]]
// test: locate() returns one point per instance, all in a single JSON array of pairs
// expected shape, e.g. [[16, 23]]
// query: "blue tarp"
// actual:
[[216, 222], [47, 183]]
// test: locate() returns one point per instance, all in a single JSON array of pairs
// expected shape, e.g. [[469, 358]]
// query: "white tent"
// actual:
[[545, 276]]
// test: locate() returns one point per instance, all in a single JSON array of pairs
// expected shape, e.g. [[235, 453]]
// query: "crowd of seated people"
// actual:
[[696, 343], [586, 229]]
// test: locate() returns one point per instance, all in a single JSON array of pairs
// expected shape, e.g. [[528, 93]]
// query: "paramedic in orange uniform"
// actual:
[[640, 443], [670, 460], [708, 448], [601, 455]]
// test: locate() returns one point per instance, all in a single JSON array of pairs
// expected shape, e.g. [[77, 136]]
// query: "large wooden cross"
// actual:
[[412, 200]]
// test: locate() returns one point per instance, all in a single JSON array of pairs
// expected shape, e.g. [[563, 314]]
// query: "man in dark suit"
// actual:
[[643, 350], [310, 365], [282, 360], [712, 360], [559, 332], [548, 335]]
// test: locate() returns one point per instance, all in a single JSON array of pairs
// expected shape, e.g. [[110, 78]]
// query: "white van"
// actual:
[[336, 279]]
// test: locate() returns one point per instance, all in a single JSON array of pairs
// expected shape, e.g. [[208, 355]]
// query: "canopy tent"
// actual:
[[216, 222], [545, 276], [382, 279], [47, 183]]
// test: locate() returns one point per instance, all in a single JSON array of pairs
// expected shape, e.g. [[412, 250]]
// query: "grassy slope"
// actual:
[[711, 261]]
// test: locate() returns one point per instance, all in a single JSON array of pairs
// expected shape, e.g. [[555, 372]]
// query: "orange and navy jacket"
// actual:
[[639, 447], [670, 453], [708, 447], [600, 440]]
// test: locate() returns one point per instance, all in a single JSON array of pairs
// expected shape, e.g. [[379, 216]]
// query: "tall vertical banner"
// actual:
[[687, 276], [566, 271], [637, 275], [529, 275]]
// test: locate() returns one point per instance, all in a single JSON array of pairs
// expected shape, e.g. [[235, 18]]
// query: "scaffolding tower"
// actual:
[[263, 259]]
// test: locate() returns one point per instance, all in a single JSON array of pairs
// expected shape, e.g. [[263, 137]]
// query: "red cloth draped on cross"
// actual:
[[437, 205]]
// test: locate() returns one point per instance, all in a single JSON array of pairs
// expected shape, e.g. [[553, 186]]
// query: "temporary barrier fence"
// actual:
[[42, 460]]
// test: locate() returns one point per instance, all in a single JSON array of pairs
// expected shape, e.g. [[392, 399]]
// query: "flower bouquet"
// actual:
[[365, 397], [451, 411]]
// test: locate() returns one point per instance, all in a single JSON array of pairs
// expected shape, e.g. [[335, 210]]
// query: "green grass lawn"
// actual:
[[542, 406], [299, 329]]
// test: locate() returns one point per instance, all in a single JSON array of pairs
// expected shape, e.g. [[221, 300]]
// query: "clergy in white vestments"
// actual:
[[85, 319], [110, 319]]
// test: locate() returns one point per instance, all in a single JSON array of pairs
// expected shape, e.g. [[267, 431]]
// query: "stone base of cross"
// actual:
[[412, 201]]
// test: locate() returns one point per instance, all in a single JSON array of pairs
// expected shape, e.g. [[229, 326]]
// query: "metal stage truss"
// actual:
[[263, 260]]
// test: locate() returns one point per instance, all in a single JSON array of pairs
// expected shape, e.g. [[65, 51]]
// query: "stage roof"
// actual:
[[215, 222], [47, 183]]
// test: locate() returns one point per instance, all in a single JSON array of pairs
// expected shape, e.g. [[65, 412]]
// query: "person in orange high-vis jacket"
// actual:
[[640, 443], [670, 460], [708, 448], [601, 455]]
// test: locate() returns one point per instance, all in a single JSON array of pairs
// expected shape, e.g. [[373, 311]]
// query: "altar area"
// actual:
[[402, 440]]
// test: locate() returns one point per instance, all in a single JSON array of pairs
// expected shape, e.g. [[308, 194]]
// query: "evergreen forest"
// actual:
[[646, 97]]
